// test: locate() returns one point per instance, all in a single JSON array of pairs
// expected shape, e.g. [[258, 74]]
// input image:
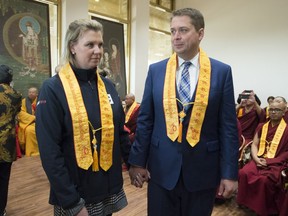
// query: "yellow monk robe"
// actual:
[[26, 133]]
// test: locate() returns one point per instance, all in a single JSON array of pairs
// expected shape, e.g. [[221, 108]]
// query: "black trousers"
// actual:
[[179, 201], [5, 170]]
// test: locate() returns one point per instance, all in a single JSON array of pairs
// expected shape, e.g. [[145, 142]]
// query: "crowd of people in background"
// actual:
[[183, 139], [265, 137], [265, 131]]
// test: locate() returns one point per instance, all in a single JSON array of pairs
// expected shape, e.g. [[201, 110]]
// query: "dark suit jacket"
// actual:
[[216, 154]]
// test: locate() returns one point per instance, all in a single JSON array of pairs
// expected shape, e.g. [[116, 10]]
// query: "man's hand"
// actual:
[[261, 162], [138, 176], [227, 188]]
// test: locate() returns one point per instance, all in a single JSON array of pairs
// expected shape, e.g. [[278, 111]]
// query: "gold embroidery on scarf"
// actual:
[[169, 99], [275, 142], [200, 104], [82, 142], [107, 139], [79, 117], [201, 100]]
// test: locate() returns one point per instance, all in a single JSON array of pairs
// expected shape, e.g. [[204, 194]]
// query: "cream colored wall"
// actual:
[[251, 36], [72, 10], [139, 47]]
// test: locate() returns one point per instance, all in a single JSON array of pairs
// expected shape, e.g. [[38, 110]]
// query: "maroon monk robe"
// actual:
[[249, 122], [284, 205], [131, 124], [239, 128], [285, 117], [259, 188], [283, 201]]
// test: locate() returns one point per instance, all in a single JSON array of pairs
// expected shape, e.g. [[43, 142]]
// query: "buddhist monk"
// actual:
[[259, 180], [26, 118]]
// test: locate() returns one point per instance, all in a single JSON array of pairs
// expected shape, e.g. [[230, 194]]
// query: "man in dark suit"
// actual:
[[186, 148]]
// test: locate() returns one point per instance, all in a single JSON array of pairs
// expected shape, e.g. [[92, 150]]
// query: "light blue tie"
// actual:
[[184, 89]]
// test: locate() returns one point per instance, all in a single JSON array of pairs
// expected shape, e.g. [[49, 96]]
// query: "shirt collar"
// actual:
[[194, 61]]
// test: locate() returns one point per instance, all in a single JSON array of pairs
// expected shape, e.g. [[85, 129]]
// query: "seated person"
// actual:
[[26, 119], [269, 101], [131, 115], [259, 185], [249, 114]]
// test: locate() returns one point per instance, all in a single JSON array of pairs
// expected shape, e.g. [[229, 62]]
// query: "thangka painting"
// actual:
[[113, 61], [24, 42]]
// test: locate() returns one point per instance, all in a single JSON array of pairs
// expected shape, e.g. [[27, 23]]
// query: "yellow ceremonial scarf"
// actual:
[[275, 142], [130, 110], [80, 122], [172, 117], [267, 112], [240, 112]]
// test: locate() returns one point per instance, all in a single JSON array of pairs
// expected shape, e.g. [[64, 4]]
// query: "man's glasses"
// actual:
[[276, 110]]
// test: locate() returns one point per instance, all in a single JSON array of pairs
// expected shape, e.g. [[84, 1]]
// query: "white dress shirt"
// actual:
[[193, 73]]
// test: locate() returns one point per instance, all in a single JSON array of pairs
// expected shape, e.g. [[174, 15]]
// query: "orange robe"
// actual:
[[260, 188], [26, 132]]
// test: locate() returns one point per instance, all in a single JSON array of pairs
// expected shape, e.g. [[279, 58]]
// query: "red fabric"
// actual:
[[33, 105], [18, 150], [284, 204], [239, 128], [249, 122], [131, 124], [285, 117], [260, 188], [126, 129]]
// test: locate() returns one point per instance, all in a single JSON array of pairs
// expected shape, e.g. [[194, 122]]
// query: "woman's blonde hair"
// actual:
[[74, 32]]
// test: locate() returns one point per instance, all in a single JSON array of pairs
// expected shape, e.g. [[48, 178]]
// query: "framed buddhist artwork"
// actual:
[[25, 43], [112, 65]]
